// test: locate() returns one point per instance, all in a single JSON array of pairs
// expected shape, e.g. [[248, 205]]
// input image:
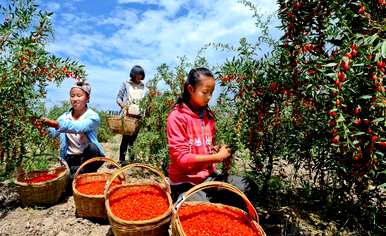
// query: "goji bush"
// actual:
[[336, 53], [163, 91], [317, 100], [26, 68]]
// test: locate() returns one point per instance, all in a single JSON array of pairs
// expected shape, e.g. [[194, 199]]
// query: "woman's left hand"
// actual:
[[126, 111], [49, 122]]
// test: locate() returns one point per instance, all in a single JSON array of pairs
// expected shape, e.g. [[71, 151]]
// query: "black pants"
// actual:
[[218, 195], [75, 161], [127, 140]]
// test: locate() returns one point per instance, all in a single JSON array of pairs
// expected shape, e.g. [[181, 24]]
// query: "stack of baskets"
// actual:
[[250, 217], [127, 125], [156, 226], [90, 206], [45, 192]]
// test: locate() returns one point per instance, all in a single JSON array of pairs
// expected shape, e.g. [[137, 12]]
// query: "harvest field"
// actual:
[[305, 115]]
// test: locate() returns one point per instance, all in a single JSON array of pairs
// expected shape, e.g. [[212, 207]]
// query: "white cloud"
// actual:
[[112, 43], [105, 84], [53, 6], [124, 18], [138, 1], [157, 35]]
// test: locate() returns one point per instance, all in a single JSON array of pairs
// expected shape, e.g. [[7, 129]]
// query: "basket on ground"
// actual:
[[43, 187], [193, 218], [90, 203], [139, 208], [128, 125]]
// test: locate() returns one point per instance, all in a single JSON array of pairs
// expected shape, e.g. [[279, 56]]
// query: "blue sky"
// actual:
[[110, 36]]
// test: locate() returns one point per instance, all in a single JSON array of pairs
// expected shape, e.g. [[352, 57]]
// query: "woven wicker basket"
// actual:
[[177, 229], [157, 226], [90, 206], [128, 125], [42, 193]]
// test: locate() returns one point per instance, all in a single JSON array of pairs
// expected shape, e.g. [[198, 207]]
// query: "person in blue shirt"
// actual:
[[77, 130]]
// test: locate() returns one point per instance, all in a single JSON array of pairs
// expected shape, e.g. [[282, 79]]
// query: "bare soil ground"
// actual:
[[56, 220], [60, 219]]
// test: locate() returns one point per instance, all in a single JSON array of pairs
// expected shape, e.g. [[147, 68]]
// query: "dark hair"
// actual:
[[193, 79], [137, 70]]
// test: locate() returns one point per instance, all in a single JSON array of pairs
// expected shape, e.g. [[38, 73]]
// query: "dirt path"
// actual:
[[56, 220]]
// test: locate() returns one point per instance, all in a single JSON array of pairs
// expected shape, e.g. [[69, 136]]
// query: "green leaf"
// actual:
[[382, 185], [332, 64], [355, 142], [380, 154], [358, 133], [341, 118], [378, 120], [377, 55], [383, 49], [365, 97], [370, 40]]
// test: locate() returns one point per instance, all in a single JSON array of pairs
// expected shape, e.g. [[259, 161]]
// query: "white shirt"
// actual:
[[135, 94], [77, 142]]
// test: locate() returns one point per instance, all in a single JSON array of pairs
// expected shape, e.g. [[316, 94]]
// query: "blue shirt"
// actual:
[[89, 126]]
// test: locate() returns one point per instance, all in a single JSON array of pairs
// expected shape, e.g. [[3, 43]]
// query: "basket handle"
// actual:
[[121, 170], [182, 198], [95, 159]]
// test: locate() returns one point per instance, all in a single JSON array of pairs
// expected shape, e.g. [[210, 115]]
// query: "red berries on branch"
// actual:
[[357, 110], [362, 9], [335, 139], [332, 113], [341, 76], [345, 66]]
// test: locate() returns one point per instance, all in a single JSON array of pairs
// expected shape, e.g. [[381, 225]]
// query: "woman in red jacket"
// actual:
[[191, 137]]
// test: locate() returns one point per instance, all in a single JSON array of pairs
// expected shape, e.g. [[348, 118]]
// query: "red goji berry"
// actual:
[[42, 177], [206, 219], [138, 202], [95, 187]]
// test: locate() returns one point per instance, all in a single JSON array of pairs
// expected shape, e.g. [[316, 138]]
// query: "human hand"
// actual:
[[126, 111], [224, 152], [49, 122], [44, 120], [38, 124]]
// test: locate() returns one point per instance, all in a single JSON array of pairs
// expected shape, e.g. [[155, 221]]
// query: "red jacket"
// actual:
[[188, 135]]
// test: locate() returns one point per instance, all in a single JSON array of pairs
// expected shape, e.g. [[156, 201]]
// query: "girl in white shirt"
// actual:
[[129, 96]]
